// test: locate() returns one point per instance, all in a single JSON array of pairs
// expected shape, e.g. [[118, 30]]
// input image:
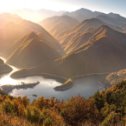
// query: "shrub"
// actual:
[[33, 114], [8, 106]]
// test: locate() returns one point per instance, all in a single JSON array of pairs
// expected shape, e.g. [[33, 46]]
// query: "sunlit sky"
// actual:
[[116, 6]]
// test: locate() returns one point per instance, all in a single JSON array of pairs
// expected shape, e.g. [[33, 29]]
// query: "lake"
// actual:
[[86, 86]]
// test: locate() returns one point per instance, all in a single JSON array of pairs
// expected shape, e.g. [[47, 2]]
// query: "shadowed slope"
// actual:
[[57, 25], [105, 51]]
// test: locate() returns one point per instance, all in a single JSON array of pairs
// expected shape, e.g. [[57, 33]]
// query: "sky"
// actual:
[[116, 6]]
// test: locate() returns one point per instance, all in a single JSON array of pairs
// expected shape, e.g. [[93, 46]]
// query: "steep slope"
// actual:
[[104, 52], [33, 51], [13, 28], [76, 37], [57, 25]]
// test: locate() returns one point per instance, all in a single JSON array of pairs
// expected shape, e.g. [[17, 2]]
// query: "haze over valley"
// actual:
[[65, 46]]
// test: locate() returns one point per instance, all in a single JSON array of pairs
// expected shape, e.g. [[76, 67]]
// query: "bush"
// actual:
[[33, 114], [8, 106]]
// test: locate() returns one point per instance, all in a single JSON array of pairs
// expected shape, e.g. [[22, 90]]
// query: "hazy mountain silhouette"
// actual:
[[71, 33], [81, 33], [83, 14], [57, 25], [14, 28], [114, 20]]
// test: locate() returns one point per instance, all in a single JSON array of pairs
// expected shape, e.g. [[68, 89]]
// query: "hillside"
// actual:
[[57, 25], [103, 52]]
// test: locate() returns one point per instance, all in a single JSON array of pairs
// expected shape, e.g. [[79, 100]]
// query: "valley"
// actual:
[[70, 49], [62, 67]]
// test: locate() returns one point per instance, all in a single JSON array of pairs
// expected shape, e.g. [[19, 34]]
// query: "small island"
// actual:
[[9, 88], [66, 85]]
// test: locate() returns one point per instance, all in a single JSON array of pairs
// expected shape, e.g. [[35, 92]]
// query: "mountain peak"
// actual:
[[84, 10], [32, 35]]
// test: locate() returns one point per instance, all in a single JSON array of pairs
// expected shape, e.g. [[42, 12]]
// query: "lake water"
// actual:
[[86, 87]]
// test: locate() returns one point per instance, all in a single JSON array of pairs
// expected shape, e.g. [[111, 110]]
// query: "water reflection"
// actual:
[[85, 87]]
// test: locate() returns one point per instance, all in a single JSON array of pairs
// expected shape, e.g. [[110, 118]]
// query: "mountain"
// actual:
[[76, 37], [13, 28], [83, 14], [105, 51], [57, 25], [4, 68], [33, 51], [35, 56], [115, 20], [70, 28]]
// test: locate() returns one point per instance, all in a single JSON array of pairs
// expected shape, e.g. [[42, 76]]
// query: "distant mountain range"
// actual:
[[81, 42], [115, 21], [83, 14]]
